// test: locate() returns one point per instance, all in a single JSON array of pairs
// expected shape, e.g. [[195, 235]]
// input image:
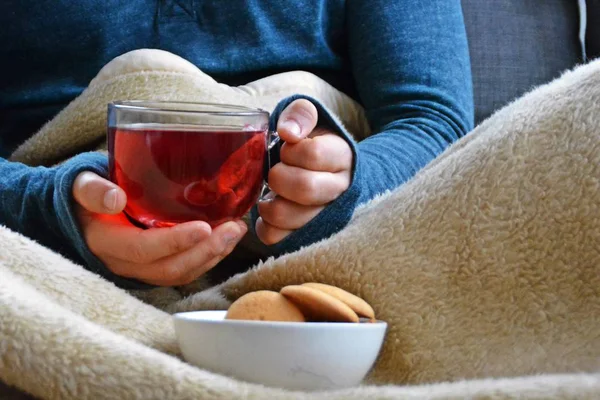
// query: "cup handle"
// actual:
[[272, 140]]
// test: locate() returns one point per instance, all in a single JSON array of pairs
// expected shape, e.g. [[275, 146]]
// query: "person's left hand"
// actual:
[[315, 169]]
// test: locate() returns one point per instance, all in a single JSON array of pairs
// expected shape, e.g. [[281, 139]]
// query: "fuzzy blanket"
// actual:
[[486, 265]]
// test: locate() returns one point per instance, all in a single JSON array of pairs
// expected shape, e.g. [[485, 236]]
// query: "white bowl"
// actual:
[[291, 355]]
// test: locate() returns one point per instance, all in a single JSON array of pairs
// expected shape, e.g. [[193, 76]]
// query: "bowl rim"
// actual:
[[187, 316]]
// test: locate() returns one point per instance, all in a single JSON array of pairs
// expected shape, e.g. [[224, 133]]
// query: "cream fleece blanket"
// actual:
[[486, 265]]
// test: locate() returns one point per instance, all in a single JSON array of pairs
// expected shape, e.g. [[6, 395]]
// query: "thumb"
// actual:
[[98, 195], [297, 121]]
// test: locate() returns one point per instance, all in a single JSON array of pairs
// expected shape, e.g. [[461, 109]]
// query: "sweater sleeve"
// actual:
[[38, 203], [412, 71]]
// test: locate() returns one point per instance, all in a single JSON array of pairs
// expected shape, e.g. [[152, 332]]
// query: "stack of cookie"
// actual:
[[309, 302]]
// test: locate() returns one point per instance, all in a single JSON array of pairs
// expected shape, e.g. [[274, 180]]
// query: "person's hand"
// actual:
[[162, 256], [315, 169]]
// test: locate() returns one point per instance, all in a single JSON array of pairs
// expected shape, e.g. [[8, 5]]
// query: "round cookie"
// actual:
[[360, 307], [264, 305], [319, 306]]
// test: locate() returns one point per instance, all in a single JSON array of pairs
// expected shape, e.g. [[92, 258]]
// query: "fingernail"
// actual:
[[110, 199], [242, 226], [292, 127], [230, 240]]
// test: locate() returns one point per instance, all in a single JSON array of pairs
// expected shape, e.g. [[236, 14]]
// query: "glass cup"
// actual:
[[180, 162]]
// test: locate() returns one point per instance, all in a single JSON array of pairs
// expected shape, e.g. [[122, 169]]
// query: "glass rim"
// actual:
[[169, 106]]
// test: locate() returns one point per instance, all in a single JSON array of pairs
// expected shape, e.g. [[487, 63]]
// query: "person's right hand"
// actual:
[[162, 256]]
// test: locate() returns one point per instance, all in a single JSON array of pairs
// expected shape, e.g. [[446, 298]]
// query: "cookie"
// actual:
[[319, 306], [264, 305], [358, 305]]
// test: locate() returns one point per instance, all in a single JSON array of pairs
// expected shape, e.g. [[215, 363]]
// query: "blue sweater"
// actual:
[[406, 62]]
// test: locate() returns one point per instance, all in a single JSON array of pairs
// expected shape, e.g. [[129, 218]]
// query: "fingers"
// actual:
[[184, 267], [297, 121], [285, 214], [325, 152], [269, 234], [188, 266], [309, 188], [314, 170], [98, 195], [117, 238]]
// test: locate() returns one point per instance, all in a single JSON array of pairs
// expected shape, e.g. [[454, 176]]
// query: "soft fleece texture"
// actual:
[[485, 265]]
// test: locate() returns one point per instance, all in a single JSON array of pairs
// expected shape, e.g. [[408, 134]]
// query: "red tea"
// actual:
[[174, 174]]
